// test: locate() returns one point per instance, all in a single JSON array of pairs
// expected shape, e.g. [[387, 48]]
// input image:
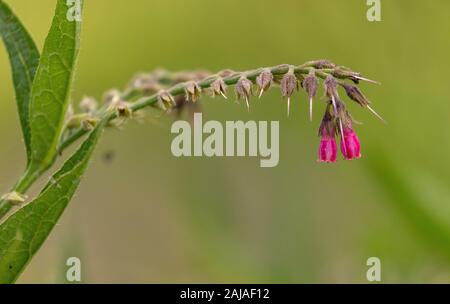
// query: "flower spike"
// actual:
[[162, 90]]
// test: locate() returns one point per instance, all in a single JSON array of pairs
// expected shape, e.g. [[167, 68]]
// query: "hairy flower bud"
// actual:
[[345, 73], [111, 97], [123, 110], [89, 123], [350, 145], [244, 89], [330, 87], [323, 64], [147, 83], [355, 94], [193, 91], [226, 73], [219, 87], [328, 124], [310, 86], [88, 105], [331, 91], [166, 100], [288, 85], [264, 81]]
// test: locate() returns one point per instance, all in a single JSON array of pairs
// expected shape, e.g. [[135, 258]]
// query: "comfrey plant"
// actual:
[[42, 83]]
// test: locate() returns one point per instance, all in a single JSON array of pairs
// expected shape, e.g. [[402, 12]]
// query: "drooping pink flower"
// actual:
[[327, 132], [350, 145], [327, 149]]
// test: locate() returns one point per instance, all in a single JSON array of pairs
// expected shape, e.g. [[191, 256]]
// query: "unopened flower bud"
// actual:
[[88, 105], [89, 123], [123, 110], [111, 97], [244, 89], [264, 81], [159, 104], [226, 73], [331, 91], [14, 198], [166, 99], [350, 145], [355, 94], [193, 91], [76, 121], [219, 87], [323, 64], [146, 83], [310, 86], [344, 73], [330, 87], [288, 85]]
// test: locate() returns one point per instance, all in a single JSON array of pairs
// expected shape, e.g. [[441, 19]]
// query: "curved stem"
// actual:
[[179, 89], [321, 69]]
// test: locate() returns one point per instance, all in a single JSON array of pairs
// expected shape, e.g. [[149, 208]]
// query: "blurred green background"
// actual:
[[148, 217]]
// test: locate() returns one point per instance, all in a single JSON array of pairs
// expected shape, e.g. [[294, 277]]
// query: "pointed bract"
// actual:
[[310, 86], [166, 99], [219, 87], [264, 81], [355, 94], [193, 91], [288, 85], [244, 90], [88, 105]]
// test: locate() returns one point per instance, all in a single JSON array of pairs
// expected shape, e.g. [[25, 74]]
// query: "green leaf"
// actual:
[[24, 59], [25, 231], [51, 87]]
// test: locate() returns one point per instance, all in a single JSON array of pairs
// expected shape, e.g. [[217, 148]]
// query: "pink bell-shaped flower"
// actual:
[[327, 149], [350, 145]]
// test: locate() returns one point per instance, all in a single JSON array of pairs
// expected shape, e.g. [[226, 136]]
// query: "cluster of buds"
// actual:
[[86, 119], [179, 91], [337, 125], [337, 122]]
